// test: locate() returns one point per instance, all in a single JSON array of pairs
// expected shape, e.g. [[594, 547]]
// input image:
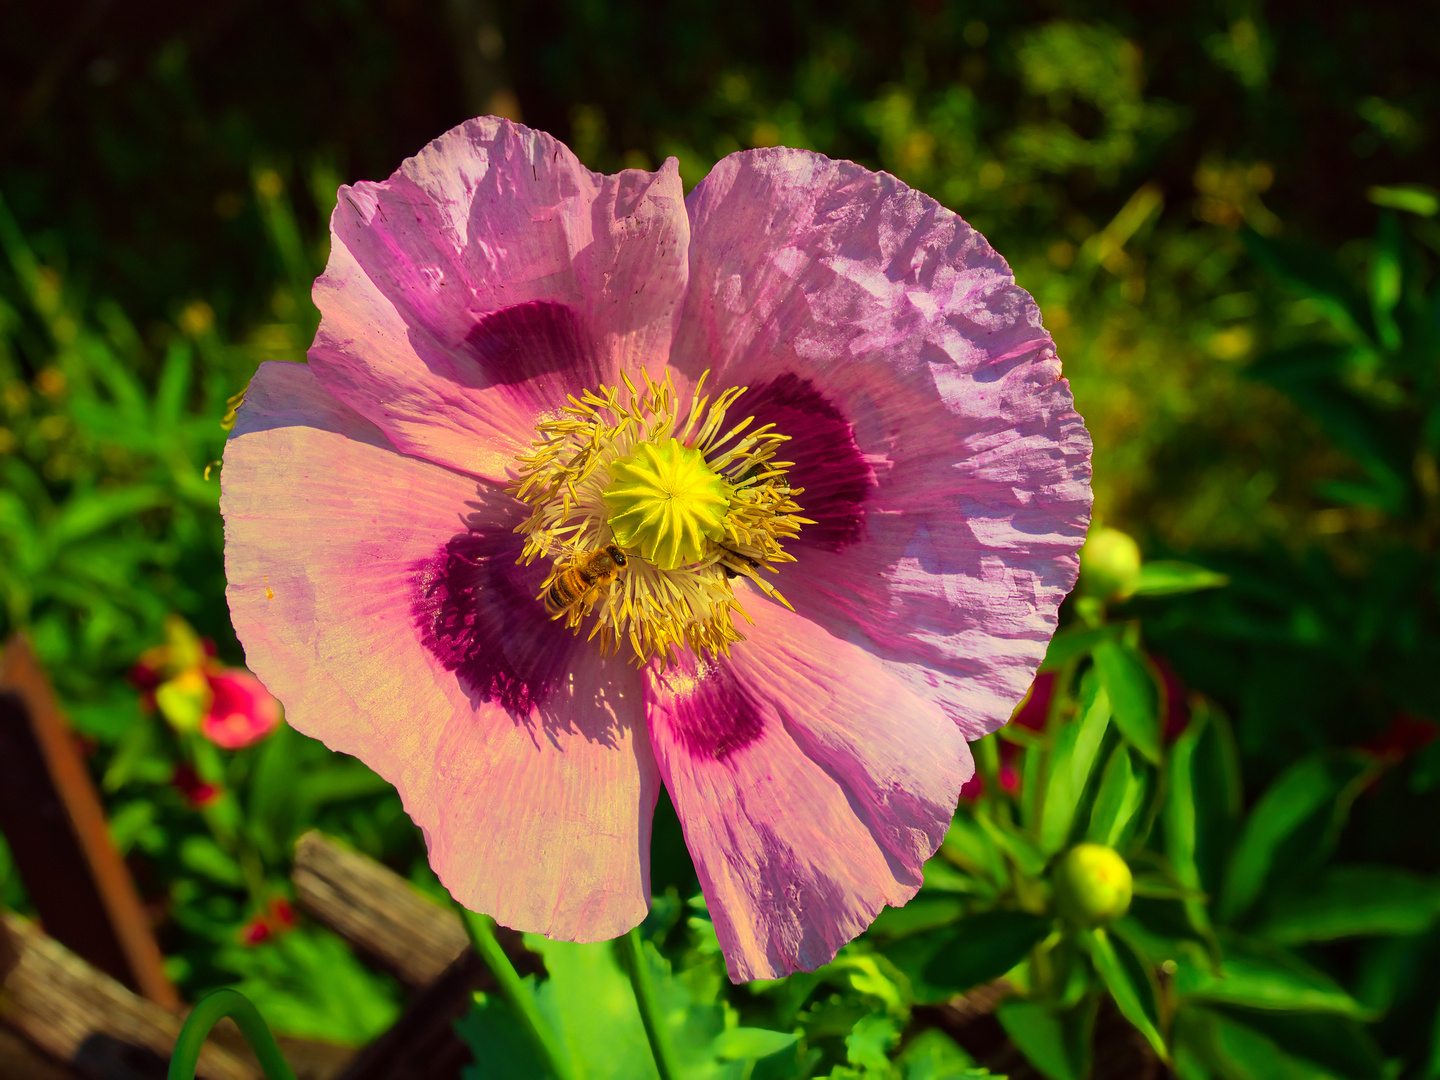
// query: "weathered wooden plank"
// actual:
[[77, 1014], [21, 1061], [377, 910], [53, 821]]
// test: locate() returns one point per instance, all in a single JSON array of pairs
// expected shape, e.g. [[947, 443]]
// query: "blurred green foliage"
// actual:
[[1223, 210]]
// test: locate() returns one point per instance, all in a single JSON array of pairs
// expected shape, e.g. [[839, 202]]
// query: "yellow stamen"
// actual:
[[690, 508]]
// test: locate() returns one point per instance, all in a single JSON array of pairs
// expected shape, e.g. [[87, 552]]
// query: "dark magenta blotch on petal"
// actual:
[[709, 713], [828, 463], [533, 340], [477, 614]]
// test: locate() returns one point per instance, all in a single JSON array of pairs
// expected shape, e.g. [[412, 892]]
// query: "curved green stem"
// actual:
[[481, 929], [210, 1009], [639, 968]]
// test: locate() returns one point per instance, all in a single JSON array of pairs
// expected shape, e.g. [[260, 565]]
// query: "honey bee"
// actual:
[[729, 567], [585, 579]]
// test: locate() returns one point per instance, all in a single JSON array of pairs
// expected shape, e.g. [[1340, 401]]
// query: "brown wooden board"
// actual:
[[86, 1019], [377, 910], [51, 816]]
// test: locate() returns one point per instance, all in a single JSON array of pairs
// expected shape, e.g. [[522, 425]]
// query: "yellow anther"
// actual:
[[689, 507]]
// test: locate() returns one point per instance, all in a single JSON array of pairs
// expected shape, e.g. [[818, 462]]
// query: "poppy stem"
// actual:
[[207, 1012], [639, 969], [481, 929]]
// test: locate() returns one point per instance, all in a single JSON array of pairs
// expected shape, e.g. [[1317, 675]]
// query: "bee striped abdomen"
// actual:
[[574, 584]]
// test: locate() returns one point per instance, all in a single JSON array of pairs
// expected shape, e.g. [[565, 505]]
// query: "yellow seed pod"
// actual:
[[666, 502], [1092, 885], [1109, 565]]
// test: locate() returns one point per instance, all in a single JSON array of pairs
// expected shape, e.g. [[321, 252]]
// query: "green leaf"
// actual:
[[922, 913], [868, 1044], [1309, 362], [1412, 198], [270, 801], [1386, 280], [1353, 901], [984, 947], [1341, 1046], [1071, 763], [174, 385], [941, 876], [90, 512], [1126, 679], [1425, 774], [499, 1043], [204, 856], [750, 1044], [1216, 1044], [1317, 277], [590, 1004], [1130, 984], [1074, 643], [1028, 858], [1166, 577], [1179, 818], [1302, 809], [933, 1055], [340, 780], [1121, 795], [1257, 980], [1368, 435], [1217, 792], [129, 821], [969, 846], [309, 984], [591, 1007], [1056, 1043]]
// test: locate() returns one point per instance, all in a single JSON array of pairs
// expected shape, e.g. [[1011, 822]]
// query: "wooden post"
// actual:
[[78, 1015], [377, 910], [51, 816]]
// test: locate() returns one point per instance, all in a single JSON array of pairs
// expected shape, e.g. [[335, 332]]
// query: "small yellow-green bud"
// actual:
[[1109, 565], [666, 501], [1092, 885]]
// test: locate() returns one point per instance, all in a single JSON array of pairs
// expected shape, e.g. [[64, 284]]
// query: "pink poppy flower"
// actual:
[[195, 692], [503, 387], [241, 710]]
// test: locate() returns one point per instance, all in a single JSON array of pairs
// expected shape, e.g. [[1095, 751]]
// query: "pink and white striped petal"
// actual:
[[812, 785], [489, 277], [522, 756], [949, 469]]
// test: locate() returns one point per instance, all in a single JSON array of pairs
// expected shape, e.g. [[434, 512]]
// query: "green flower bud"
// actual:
[[1109, 565], [1092, 885]]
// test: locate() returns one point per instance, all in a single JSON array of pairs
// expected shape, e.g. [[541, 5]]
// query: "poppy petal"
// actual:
[[536, 806], [489, 277], [939, 448], [811, 784]]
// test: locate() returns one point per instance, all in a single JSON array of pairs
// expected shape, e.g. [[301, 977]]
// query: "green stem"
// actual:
[[482, 935], [210, 1009], [639, 968]]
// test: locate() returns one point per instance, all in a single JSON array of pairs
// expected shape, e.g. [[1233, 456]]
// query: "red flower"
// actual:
[[1406, 734], [1177, 708], [255, 931], [278, 916], [197, 792]]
